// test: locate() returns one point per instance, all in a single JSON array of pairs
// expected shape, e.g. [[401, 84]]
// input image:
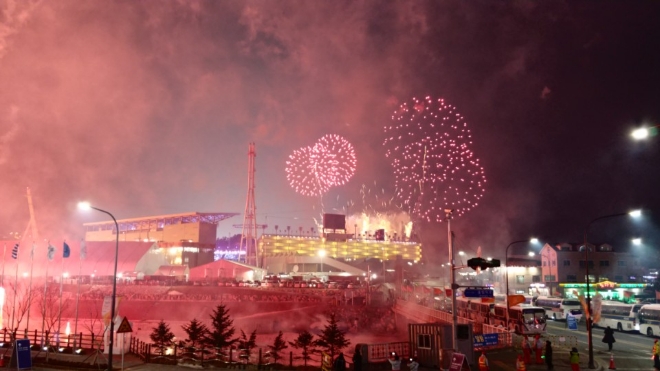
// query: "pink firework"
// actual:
[[336, 160], [330, 162], [434, 167]]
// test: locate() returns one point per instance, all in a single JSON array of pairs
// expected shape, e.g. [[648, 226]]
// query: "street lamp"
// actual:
[[634, 213], [87, 206], [644, 132], [506, 273], [637, 241], [322, 255], [452, 277]]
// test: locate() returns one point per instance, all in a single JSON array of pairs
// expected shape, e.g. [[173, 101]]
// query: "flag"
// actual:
[[515, 299], [83, 250], [66, 250], [14, 252], [51, 252]]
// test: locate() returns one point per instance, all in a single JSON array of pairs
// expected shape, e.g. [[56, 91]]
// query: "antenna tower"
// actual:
[[249, 235]]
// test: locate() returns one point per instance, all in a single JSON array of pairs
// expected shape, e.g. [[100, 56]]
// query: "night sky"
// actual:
[[147, 108]]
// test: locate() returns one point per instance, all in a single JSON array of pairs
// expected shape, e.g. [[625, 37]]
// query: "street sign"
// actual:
[[571, 321], [478, 293], [485, 340], [458, 362], [124, 326], [22, 355]]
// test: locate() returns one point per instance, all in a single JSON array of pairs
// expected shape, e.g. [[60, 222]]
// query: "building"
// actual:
[[189, 238], [349, 250], [617, 275]]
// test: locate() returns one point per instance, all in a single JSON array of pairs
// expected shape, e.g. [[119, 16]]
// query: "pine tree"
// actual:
[[162, 336], [196, 332], [331, 338], [304, 341], [221, 331], [246, 344], [278, 346]]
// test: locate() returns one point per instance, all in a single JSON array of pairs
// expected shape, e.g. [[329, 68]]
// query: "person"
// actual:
[[340, 363], [357, 360], [538, 345], [520, 363], [609, 337], [548, 355], [483, 362], [414, 365], [656, 355], [395, 361], [527, 350], [575, 359]]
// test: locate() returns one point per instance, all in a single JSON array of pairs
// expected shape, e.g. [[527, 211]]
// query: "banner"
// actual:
[[515, 299], [105, 310]]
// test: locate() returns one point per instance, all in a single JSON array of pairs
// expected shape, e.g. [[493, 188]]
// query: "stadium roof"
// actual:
[[160, 220]]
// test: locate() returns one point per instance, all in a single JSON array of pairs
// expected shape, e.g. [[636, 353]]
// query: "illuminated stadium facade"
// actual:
[[351, 249]]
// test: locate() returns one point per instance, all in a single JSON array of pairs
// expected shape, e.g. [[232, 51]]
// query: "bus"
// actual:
[[473, 309], [501, 298], [558, 308], [649, 319], [618, 315], [524, 319]]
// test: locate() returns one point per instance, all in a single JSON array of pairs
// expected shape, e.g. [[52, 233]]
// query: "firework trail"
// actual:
[[434, 167]]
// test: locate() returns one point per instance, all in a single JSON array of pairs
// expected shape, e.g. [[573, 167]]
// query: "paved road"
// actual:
[[631, 351]]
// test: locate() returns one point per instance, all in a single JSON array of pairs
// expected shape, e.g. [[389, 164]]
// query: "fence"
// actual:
[[64, 344]]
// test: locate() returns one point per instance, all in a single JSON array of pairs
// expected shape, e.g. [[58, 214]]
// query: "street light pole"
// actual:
[[506, 274], [586, 265], [454, 286], [114, 282]]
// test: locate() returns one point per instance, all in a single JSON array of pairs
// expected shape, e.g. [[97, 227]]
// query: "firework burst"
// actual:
[[330, 162], [434, 167]]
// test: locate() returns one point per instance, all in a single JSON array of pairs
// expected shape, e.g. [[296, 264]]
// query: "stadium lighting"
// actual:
[[87, 206]]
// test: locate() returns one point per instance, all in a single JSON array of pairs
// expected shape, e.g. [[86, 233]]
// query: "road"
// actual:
[[631, 351]]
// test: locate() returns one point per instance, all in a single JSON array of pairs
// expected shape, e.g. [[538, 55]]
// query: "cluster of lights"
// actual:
[[330, 162], [434, 167]]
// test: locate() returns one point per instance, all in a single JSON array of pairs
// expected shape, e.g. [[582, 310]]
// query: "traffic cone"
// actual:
[[612, 366]]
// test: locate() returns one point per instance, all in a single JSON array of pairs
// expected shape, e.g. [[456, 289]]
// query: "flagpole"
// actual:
[[75, 326], [59, 314], [4, 253], [27, 324], [43, 313], [13, 309]]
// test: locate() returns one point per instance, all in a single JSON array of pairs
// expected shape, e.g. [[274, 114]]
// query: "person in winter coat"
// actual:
[[414, 365], [548, 355], [340, 363], [609, 338], [656, 355], [575, 359], [395, 361], [357, 360]]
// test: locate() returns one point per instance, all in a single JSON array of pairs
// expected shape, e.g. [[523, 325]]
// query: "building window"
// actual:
[[618, 278], [571, 277], [544, 263], [567, 263], [604, 263], [621, 263], [520, 279], [536, 278], [554, 263], [424, 341], [591, 263]]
